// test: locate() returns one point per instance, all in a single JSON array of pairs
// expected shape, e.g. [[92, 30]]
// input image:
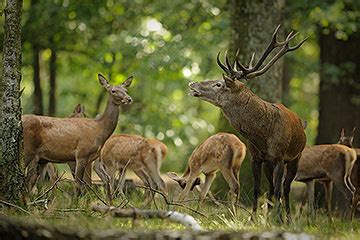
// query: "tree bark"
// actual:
[[339, 104], [38, 104], [11, 175], [252, 25], [52, 93]]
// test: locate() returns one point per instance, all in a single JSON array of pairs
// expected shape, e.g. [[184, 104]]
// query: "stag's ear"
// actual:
[[127, 82], [342, 132], [103, 81], [353, 132], [230, 83]]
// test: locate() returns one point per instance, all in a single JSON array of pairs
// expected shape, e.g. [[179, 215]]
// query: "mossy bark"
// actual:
[[11, 175]]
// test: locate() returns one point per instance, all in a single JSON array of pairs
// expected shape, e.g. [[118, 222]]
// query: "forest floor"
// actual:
[[60, 208]]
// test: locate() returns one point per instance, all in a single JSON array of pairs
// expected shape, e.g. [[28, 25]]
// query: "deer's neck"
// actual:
[[108, 120], [251, 116]]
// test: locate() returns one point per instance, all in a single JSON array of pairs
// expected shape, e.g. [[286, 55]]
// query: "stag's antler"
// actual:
[[240, 71]]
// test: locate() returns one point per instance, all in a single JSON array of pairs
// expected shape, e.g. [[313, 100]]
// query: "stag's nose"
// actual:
[[129, 99], [190, 84]]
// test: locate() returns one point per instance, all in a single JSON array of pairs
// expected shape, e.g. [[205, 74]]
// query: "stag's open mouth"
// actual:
[[193, 92]]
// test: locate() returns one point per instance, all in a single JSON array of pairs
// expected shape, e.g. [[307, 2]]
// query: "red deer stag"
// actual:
[[276, 135], [355, 172], [222, 152], [71, 139], [145, 156], [329, 164]]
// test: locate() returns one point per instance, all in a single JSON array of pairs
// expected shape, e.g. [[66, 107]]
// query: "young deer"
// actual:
[[276, 135], [71, 139], [145, 156], [355, 173], [329, 164], [222, 152]]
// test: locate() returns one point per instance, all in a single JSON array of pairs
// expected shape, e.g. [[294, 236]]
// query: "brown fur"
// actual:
[[71, 139], [222, 152], [329, 164], [145, 156]]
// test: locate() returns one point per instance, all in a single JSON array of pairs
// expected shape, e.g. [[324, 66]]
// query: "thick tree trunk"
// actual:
[[52, 93], [11, 175], [252, 25], [339, 104], [339, 87], [38, 104]]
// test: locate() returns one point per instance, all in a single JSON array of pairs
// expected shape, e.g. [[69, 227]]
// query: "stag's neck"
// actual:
[[251, 116], [108, 120]]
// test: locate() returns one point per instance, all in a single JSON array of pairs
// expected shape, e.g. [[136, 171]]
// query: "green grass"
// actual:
[[217, 217]]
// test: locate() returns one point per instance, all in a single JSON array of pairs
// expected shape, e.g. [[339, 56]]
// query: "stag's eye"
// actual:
[[218, 85], [112, 91]]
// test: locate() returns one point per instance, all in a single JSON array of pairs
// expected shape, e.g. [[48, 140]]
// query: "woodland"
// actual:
[[57, 54]]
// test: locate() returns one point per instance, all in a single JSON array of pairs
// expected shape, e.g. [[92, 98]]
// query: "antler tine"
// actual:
[[278, 55], [231, 70], [221, 65], [238, 63], [251, 60]]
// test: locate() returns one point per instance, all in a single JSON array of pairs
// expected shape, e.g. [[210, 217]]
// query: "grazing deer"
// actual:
[[222, 152], [144, 156], [355, 173], [276, 135], [71, 139], [329, 164]]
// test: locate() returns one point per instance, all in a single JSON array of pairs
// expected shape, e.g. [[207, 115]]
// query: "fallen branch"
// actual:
[[15, 206], [48, 190], [169, 202], [136, 213]]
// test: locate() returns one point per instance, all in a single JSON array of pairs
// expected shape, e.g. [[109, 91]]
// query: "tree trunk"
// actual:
[[52, 96], [339, 104], [11, 175], [38, 104], [252, 25]]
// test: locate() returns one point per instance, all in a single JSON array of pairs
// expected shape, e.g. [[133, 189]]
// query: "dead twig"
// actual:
[[15, 206], [49, 189], [69, 210], [169, 202], [96, 194]]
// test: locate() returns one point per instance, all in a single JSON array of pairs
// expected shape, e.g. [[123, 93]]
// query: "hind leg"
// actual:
[[291, 169], [233, 184]]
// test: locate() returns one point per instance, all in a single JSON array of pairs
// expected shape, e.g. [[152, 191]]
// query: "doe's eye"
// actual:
[[218, 85]]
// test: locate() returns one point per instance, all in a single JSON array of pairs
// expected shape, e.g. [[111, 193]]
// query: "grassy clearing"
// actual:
[[68, 212]]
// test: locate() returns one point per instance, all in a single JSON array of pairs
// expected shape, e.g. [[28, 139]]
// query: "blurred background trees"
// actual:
[[166, 44]]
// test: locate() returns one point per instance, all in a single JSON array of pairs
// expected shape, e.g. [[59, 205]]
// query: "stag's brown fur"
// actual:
[[222, 152], [145, 156], [71, 139], [329, 164]]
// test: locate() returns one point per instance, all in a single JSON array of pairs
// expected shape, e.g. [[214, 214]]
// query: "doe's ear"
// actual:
[[353, 132], [103, 81], [127, 82], [230, 83], [342, 132]]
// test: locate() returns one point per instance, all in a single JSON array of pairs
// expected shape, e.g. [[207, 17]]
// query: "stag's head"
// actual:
[[118, 92], [219, 92], [347, 140]]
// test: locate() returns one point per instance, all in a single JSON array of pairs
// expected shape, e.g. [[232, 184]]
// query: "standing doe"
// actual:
[[276, 135], [222, 152], [355, 173], [71, 139]]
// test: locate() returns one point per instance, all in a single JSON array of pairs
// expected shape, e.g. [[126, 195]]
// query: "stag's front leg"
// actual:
[[79, 174], [256, 170], [269, 173], [278, 174]]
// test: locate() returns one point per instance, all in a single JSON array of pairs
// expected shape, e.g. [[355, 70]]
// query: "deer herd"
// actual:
[[275, 138]]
